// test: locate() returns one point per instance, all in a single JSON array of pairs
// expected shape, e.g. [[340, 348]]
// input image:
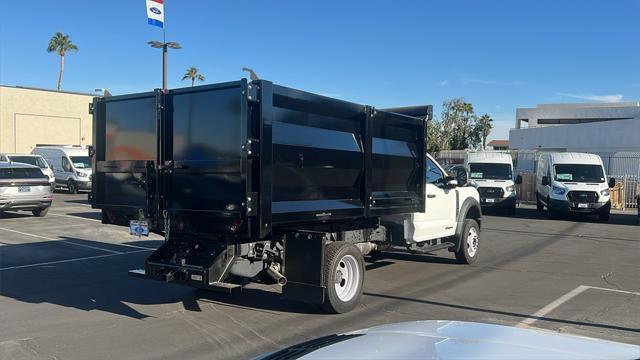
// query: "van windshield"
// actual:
[[81, 162], [31, 160], [578, 173], [490, 171]]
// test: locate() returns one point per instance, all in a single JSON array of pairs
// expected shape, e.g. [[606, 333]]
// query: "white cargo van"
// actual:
[[572, 183], [71, 166], [492, 174]]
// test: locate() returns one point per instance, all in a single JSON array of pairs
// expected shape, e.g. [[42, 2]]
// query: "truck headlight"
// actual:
[[81, 174], [558, 190], [510, 188], [604, 192]]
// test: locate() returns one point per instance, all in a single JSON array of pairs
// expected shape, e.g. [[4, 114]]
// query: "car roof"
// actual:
[[12, 165], [10, 155], [489, 157], [575, 158], [69, 150]]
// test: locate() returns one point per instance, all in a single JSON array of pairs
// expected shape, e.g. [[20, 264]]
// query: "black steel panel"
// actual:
[[125, 141], [397, 163], [318, 157], [207, 165]]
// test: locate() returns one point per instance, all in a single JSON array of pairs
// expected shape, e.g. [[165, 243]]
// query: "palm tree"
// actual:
[[486, 124], [192, 73], [61, 44]]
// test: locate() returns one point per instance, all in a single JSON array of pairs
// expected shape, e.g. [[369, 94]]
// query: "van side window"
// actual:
[[3, 158], [434, 175], [66, 166]]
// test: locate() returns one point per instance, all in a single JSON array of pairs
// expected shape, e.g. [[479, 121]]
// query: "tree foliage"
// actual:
[[193, 74], [61, 44], [457, 129]]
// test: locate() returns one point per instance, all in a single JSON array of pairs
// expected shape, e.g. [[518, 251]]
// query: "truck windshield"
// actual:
[[490, 171], [81, 162], [578, 173], [31, 160]]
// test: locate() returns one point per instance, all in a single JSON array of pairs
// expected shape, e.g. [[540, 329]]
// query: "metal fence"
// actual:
[[628, 192]]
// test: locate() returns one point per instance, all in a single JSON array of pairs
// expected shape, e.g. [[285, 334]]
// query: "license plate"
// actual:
[[583, 206], [24, 189], [489, 200], [139, 228]]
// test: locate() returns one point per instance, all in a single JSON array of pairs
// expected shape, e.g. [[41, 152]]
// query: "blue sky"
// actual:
[[499, 55]]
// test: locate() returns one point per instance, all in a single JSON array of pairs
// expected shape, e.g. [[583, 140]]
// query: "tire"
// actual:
[[539, 206], [40, 212], [73, 188], [343, 277], [550, 213], [604, 217], [469, 242]]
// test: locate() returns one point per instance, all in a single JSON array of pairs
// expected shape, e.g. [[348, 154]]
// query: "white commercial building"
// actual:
[[596, 128]]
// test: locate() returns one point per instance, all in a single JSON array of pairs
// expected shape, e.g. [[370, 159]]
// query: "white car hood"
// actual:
[[493, 183], [435, 339]]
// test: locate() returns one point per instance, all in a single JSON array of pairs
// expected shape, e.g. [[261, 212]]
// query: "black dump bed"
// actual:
[[247, 159]]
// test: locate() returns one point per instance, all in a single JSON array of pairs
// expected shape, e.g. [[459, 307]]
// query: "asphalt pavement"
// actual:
[[65, 292]]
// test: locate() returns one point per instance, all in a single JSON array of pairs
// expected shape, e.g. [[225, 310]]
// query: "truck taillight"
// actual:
[[235, 225]]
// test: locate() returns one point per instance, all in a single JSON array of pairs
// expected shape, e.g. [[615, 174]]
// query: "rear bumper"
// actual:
[[507, 202], [24, 204], [84, 185], [566, 207]]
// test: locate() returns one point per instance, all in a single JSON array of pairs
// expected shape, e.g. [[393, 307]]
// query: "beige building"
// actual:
[[31, 116]]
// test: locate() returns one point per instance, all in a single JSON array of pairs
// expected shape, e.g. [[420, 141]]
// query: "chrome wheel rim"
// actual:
[[346, 278], [472, 242]]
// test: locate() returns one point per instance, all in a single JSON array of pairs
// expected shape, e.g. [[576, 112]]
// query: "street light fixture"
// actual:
[[164, 46]]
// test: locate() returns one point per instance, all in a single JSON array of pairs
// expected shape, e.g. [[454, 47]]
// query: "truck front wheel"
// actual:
[[343, 277], [469, 242]]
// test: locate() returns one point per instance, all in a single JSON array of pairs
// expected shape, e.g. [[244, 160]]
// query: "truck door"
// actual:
[[206, 157], [439, 218], [125, 138]]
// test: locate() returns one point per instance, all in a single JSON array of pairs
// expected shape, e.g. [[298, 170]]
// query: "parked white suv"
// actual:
[[573, 183], [35, 160]]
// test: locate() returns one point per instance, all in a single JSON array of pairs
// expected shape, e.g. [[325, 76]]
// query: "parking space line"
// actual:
[[75, 217], [70, 260], [614, 290], [61, 241], [552, 306]]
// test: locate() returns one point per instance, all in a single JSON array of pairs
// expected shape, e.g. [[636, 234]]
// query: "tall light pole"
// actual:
[[164, 46]]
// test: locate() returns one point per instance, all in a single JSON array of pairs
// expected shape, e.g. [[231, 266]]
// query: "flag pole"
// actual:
[[164, 48]]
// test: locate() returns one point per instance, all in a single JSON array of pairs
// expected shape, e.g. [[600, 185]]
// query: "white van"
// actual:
[[572, 183], [492, 174], [32, 159], [71, 166]]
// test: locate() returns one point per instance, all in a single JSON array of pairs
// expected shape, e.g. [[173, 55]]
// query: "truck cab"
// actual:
[[492, 174], [572, 183]]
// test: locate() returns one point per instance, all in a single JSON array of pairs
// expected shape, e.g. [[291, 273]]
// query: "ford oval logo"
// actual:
[[155, 10]]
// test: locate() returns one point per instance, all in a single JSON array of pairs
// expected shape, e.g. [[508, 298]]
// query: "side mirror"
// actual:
[[91, 151], [518, 179], [461, 177], [545, 180], [612, 182], [450, 182]]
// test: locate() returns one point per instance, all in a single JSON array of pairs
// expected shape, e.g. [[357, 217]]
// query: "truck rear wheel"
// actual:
[[469, 242], [343, 277]]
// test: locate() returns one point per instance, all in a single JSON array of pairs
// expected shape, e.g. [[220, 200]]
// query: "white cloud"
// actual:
[[613, 98], [444, 82]]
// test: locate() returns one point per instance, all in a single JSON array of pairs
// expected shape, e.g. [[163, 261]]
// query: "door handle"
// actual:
[[431, 196]]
